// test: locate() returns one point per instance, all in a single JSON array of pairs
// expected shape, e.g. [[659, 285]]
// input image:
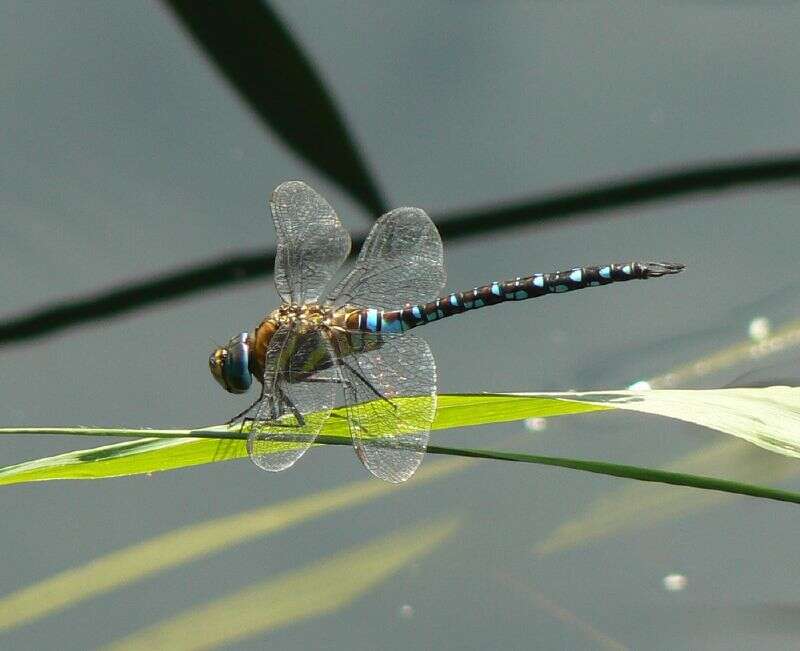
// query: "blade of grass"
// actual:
[[597, 467], [738, 409], [182, 448], [56, 468], [629, 472], [768, 417], [318, 589], [187, 544], [258, 56]]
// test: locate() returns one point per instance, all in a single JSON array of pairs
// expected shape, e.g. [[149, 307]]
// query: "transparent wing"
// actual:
[[312, 243], [390, 395], [401, 262], [300, 383]]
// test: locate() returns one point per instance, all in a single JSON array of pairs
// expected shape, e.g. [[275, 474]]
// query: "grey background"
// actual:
[[124, 153]]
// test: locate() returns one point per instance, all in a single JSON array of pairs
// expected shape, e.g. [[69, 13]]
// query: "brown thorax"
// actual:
[[308, 315]]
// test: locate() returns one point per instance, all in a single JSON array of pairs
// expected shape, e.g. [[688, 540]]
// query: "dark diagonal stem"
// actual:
[[248, 265]]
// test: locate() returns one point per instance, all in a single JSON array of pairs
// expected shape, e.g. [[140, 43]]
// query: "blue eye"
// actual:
[[236, 368], [230, 366]]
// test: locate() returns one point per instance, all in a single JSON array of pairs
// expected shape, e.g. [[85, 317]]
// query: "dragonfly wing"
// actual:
[[390, 394], [401, 262], [312, 243], [300, 383]]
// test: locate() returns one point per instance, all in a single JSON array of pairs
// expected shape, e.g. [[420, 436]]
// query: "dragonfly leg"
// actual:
[[301, 422], [366, 382], [340, 361], [256, 402], [246, 411]]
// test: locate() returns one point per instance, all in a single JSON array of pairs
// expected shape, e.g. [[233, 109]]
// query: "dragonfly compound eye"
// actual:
[[230, 366]]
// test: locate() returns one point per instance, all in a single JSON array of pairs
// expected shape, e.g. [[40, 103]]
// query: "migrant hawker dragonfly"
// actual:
[[354, 339]]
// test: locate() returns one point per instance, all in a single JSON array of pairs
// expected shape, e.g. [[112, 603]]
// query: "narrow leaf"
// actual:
[[258, 56], [768, 417], [629, 472], [193, 447], [641, 188], [319, 589], [187, 544], [746, 413]]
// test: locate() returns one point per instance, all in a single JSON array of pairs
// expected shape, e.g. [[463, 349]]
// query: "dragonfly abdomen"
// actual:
[[519, 289]]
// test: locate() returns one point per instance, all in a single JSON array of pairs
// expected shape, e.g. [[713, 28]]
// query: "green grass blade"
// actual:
[[174, 449], [138, 457], [111, 462], [629, 472], [767, 417]]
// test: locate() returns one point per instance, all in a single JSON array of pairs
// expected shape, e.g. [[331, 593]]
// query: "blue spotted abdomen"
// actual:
[[519, 289]]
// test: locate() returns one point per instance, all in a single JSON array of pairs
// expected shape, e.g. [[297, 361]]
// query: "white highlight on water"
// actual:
[[674, 582], [405, 611], [535, 424], [759, 329]]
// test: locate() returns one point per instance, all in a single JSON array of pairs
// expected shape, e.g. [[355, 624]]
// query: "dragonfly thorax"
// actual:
[[305, 315], [289, 316]]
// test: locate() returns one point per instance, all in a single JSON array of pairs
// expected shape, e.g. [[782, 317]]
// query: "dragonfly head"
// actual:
[[230, 365]]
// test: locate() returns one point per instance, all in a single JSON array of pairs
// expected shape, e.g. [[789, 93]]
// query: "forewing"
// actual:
[[401, 262], [312, 243], [300, 383], [390, 394]]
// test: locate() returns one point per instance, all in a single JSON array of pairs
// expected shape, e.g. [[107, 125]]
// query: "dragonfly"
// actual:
[[350, 346]]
